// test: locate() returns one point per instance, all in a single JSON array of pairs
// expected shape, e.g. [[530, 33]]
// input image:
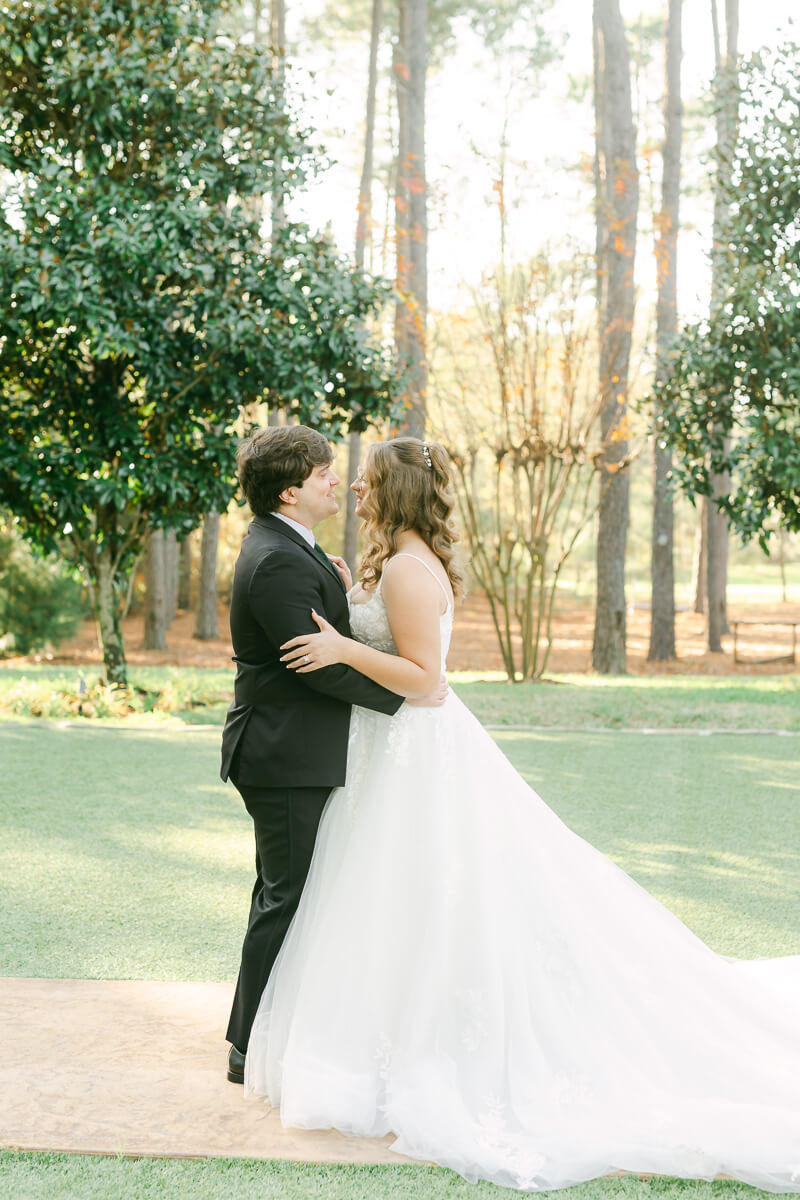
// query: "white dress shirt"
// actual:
[[303, 530]]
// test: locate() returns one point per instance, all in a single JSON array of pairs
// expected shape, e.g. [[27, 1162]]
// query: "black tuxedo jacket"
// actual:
[[289, 730]]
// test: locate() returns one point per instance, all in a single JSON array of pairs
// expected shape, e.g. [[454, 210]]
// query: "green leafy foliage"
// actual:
[[154, 695], [730, 394], [142, 310], [41, 603]]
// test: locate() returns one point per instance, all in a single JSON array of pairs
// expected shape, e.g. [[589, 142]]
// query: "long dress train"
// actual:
[[467, 973]]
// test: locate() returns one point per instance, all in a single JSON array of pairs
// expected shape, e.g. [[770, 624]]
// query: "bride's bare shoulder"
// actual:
[[416, 567], [413, 547]]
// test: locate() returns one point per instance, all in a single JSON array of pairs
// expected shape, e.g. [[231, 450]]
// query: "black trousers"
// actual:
[[286, 821]]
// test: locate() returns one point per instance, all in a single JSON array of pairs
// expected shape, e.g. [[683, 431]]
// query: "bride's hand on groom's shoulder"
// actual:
[[343, 569], [310, 651]]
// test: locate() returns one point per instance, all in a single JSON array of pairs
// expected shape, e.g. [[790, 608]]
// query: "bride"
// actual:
[[464, 971]]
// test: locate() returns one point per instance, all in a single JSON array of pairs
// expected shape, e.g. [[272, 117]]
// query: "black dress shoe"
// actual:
[[235, 1065]]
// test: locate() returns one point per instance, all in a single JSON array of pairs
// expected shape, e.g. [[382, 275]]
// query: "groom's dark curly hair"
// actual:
[[276, 458]]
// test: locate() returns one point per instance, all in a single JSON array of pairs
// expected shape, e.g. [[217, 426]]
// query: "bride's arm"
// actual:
[[413, 600]]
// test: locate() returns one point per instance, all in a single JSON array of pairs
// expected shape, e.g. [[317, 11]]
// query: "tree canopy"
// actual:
[[520, 22], [142, 308], [730, 397]]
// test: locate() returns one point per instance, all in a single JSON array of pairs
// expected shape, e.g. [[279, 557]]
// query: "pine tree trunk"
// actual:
[[782, 542], [727, 108], [402, 217], [129, 588], [170, 576], [351, 520], [155, 609], [716, 570], [364, 219], [363, 238], [185, 574], [277, 33], [722, 484], [662, 570], [699, 568], [107, 612], [411, 220], [206, 626], [277, 25], [617, 199]]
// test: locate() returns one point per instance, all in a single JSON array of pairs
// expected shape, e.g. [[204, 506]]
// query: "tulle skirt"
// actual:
[[467, 973]]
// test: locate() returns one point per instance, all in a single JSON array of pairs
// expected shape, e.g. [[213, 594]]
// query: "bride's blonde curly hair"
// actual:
[[408, 488]]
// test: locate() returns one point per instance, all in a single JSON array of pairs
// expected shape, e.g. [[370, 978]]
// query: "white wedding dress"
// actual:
[[467, 973]]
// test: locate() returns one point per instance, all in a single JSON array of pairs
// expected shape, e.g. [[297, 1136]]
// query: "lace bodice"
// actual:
[[370, 624]]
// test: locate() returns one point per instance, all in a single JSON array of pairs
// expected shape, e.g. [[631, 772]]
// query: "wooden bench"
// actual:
[[790, 658]]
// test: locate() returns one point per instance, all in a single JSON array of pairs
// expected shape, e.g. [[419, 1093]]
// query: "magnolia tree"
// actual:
[[141, 310], [517, 404], [729, 399]]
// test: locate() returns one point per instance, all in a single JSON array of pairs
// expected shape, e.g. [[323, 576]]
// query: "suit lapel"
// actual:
[[277, 526]]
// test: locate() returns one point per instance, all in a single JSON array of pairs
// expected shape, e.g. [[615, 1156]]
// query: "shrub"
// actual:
[[41, 603], [156, 694]]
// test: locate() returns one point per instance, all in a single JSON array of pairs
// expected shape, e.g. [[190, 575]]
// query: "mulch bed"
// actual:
[[474, 646]]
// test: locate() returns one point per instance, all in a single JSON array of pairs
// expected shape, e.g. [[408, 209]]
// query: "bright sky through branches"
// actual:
[[550, 143]]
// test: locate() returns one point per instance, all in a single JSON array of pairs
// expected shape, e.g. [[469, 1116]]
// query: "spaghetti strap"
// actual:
[[429, 569]]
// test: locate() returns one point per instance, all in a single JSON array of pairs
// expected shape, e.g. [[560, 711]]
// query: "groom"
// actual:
[[284, 745]]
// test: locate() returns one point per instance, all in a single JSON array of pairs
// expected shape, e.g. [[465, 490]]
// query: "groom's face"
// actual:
[[315, 499]]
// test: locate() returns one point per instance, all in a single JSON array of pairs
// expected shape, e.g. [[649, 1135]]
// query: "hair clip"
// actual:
[[426, 454]]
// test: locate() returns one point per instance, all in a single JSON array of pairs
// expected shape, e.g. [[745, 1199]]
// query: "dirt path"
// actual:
[[138, 1068]]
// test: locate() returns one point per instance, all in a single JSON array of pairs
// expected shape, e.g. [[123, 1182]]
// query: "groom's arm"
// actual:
[[282, 592]]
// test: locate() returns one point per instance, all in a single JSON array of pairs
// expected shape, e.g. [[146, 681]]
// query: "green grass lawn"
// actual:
[[73, 1177], [173, 695], [123, 856], [146, 856], [637, 702]]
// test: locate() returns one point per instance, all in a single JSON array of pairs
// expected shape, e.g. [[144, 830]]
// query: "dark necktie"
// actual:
[[320, 553]]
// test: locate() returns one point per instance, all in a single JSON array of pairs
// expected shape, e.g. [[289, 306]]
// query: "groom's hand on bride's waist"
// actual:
[[436, 698]]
